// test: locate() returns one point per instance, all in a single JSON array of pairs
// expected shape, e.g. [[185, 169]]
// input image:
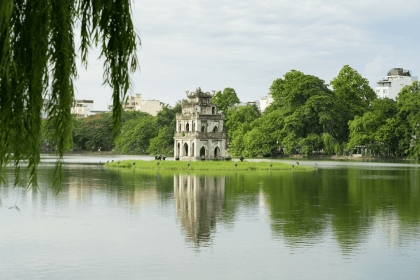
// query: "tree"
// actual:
[[163, 144], [307, 108], [354, 97], [408, 101], [94, 133], [166, 123], [369, 129], [235, 117], [263, 137], [226, 99], [37, 56], [136, 135]]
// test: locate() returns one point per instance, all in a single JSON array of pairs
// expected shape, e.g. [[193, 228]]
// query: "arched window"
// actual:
[[178, 150], [217, 152], [193, 127], [213, 110], [215, 129], [192, 149], [186, 149], [179, 128], [202, 152], [203, 129], [187, 127]]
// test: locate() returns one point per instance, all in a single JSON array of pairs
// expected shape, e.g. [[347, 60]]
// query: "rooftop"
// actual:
[[399, 72]]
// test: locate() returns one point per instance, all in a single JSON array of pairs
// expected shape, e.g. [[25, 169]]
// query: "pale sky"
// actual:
[[247, 44]]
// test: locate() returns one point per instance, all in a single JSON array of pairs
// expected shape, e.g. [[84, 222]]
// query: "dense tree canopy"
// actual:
[[304, 108], [166, 123], [389, 127], [354, 97], [136, 134], [37, 57], [306, 117], [225, 99]]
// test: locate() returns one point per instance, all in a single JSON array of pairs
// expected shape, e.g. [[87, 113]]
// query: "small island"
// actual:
[[208, 165]]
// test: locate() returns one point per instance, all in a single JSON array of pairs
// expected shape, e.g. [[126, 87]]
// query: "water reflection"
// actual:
[[198, 204], [350, 205], [346, 207]]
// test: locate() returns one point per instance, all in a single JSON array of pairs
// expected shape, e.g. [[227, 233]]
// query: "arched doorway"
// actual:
[[215, 129], [192, 150], [217, 152], [202, 152], [186, 149], [203, 129], [187, 127], [178, 150]]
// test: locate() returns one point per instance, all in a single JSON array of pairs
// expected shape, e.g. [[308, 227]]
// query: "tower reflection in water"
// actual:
[[198, 202]]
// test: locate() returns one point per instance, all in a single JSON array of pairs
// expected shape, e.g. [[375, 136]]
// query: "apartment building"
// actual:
[[138, 104], [397, 78]]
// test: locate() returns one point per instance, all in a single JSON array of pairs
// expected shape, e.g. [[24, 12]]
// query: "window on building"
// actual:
[[385, 91]]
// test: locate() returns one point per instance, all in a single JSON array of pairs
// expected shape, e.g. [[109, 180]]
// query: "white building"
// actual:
[[397, 78], [265, 102], [82, 108], [45, 112], [138, 104]]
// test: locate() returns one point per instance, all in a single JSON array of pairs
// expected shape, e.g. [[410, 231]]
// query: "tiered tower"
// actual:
[[199, 129]]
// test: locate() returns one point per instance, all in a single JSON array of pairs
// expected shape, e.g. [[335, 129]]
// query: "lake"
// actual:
[[345, 220]]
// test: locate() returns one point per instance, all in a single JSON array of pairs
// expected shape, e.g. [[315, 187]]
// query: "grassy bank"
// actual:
[[206, 165]]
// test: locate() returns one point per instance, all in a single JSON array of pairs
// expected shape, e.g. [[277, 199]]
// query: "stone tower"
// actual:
[[199, 129]]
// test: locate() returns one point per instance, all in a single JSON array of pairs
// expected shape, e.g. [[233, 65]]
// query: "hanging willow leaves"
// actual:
[[37, 59]]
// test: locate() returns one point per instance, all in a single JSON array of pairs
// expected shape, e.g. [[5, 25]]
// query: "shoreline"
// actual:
[[354, 157], [209, 165]]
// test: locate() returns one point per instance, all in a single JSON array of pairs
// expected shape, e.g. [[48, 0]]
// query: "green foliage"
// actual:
[[226, 99], [37, 56], [93, 133], [354, 97], [238, 115], [409, 109], [385, 128], [136, 135], [313, 142], [330, 144], [237, 121], [163, 144], [308, 108], [166, 123]]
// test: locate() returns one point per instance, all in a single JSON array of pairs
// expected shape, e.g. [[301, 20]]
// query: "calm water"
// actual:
[[342, 221]]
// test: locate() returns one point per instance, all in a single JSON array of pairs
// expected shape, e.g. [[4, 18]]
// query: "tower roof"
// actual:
[[199, 93]]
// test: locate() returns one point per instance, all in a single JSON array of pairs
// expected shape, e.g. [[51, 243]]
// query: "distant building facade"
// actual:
[[45, 113], [82, 108], [136, 103], [397, 78], [199, 129], [265, 102], [249, 103]]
